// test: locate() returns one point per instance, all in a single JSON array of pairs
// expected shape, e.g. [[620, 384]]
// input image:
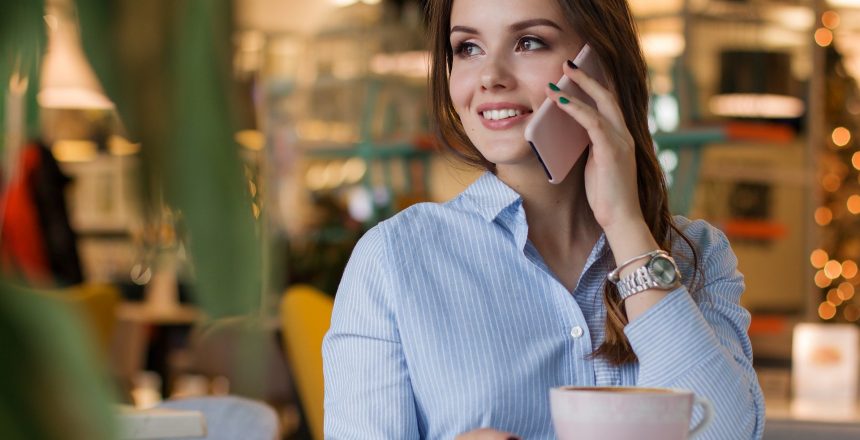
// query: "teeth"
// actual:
[[495, 115]]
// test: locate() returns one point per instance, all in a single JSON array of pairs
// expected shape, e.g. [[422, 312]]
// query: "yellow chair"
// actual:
[[305, 319], [95, 305]]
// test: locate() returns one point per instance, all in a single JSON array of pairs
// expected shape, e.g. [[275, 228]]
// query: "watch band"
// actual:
[[638, 281], [644, 277]]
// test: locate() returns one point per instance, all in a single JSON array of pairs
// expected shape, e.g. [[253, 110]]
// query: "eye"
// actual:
[[467, 50], [530, 43]]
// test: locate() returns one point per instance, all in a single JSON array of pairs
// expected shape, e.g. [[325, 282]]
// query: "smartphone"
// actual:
[[555, 137]]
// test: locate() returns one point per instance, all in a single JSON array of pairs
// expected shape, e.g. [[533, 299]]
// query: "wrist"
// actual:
[[629, 239]]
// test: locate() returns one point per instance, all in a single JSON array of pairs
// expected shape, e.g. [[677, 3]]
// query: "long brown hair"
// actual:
[[609, 28]]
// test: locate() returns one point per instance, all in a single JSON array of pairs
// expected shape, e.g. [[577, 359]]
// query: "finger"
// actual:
[[614, 125], [597, 126], [492, 434], [606, 101]]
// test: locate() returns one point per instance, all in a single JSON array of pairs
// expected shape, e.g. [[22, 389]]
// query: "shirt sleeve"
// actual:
[[700, 343], [367, 388]]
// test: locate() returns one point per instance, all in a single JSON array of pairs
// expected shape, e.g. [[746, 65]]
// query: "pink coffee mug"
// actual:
[[616, 413]]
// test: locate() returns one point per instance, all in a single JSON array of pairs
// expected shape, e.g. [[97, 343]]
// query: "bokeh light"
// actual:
[[832, 269], [826, 310], [841, 136], [830, 19], [823, 216], [823, 37], [851, 312], [854, 204], [821, 280], [833, 297], [855, 160], [849, 269], [831, 182], [846, 291], [818, 258]]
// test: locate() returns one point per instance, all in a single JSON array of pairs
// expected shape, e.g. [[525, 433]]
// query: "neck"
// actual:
[[559, 217]]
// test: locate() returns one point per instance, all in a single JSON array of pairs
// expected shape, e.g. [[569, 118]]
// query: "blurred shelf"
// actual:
[[690, 137], [368, 151]]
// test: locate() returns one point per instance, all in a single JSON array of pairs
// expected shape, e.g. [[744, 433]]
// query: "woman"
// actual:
[[456, 318]]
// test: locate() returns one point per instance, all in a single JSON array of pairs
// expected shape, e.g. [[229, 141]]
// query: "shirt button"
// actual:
[[576, 331]]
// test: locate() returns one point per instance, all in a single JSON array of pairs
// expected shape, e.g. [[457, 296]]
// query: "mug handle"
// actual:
[[706, 418]]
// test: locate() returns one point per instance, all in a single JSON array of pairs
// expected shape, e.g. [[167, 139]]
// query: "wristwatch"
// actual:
[[660, 272]]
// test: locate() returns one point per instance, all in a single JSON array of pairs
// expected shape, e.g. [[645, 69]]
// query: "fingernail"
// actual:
[[563, 100], [554, 87], [572, 66]]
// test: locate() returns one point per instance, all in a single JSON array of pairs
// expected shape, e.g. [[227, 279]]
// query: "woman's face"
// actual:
[[505, 54]]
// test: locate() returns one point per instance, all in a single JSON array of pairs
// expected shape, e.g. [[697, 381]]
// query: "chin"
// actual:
[[507, 153]]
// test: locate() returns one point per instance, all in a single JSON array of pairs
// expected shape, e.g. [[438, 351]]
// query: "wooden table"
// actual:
[[792, 420], [142, 326], [146, 313]]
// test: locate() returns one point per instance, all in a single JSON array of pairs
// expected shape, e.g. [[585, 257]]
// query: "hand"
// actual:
[[610, 172], [486, 434]]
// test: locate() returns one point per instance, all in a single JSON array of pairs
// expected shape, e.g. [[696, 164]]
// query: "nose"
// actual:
[[495, 74]]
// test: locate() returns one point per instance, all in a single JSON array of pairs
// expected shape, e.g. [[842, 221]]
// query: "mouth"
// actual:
[[499, 116]]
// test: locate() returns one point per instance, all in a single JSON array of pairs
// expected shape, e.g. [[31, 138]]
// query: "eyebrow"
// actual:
[[518, 26]]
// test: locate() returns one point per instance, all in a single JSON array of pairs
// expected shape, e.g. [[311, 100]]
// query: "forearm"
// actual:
[[677, 347], [628, 240], [698, 345]]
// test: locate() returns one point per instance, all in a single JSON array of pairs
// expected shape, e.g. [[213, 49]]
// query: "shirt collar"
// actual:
[[491, 196]]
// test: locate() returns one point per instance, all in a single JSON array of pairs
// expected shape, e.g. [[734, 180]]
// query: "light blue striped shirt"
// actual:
[[448, 320]]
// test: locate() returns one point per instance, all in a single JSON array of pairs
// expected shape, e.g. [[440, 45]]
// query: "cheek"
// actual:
[[537, 78], [462, 87]]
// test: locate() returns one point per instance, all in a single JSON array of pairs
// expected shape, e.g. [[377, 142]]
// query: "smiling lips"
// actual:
[[502, 115]]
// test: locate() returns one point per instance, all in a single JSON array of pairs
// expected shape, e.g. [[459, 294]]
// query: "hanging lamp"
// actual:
[[67, 78]]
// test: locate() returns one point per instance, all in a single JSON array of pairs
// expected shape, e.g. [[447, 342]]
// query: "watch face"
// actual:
[[663, 271]]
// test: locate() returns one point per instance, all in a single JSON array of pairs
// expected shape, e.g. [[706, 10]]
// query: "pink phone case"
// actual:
[[556, 138]]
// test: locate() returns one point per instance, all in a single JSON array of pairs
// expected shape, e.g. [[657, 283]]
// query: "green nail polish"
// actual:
[[563, 100], [554, 87]]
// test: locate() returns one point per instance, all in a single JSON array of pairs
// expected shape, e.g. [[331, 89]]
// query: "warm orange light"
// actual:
[[821, 280], [831, 182], [855, 160], [823, 216], [830, 19], [826, 310], [833, 297], [756, 105], [818, 258], [832, 269], [851, 312], [849, 269], [841, 136], [253, 140], [823, 37], [854, 204], [845, 290]]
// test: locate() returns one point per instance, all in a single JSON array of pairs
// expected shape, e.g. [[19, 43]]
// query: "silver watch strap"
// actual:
[[638, 281]]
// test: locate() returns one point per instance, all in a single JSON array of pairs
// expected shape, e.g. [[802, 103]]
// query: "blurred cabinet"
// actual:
[[755, 184], [755, 194], [104, 208]]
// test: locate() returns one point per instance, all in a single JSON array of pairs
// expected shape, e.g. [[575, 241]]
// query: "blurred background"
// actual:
[[183, 183]]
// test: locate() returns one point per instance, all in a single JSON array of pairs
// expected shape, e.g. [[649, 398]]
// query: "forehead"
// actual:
[[490, 14]]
